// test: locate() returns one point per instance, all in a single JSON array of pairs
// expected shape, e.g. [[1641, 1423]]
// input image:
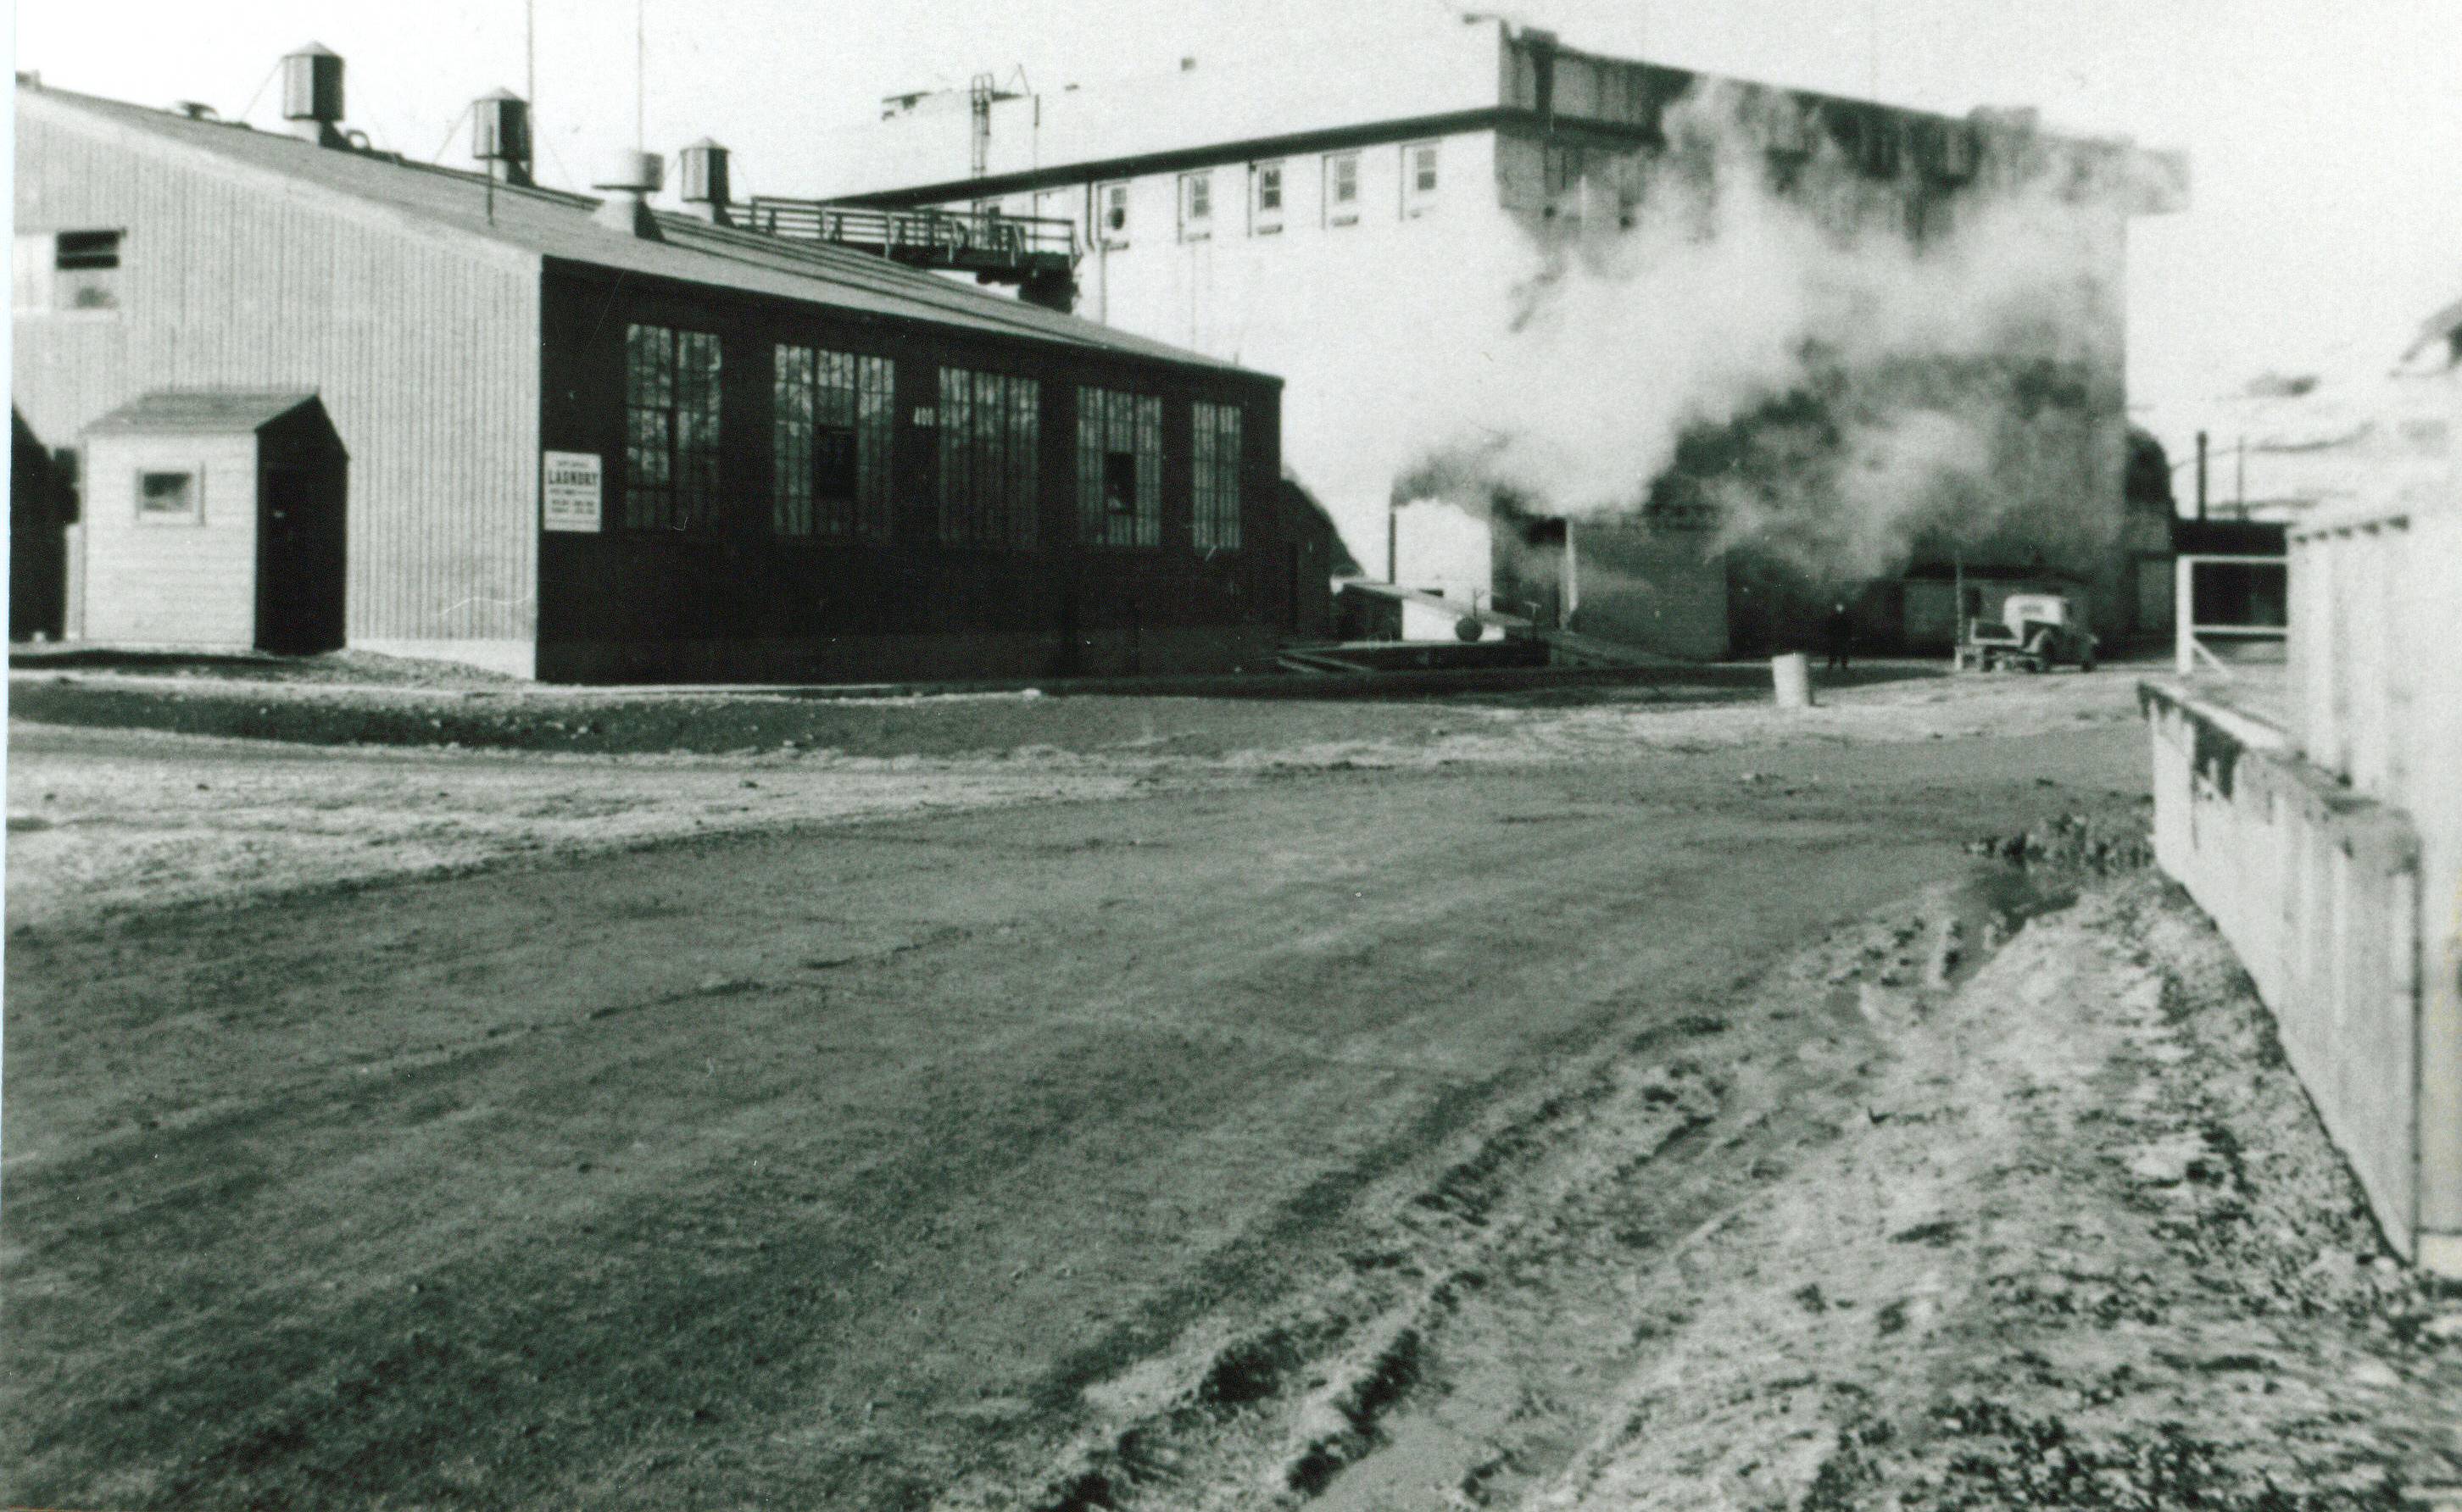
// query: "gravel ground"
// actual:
[[106, 820]]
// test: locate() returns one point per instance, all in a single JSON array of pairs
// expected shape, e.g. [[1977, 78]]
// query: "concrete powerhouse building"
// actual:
[[282, 390], [1328, 223]]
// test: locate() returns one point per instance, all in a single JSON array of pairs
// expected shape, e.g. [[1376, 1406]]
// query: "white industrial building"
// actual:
[[1360, 230]]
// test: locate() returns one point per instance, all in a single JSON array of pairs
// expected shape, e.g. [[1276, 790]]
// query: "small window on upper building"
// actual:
[[169, 498], [1112, 214], [1196, 206], [88, 266], [1267, 210], [1418, 178], [65, 270], [1341, 189]]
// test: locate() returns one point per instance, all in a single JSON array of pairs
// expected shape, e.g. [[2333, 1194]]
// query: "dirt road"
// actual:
[[904, 1159]]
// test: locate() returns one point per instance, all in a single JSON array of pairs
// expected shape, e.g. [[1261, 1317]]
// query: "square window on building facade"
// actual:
[[1418, 177], [87, 268], [1342, 188], [170, 498], [1267, 203], [1196, 206], [1112, 214]]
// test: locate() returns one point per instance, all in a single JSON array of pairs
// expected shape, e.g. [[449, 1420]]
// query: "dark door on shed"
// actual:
[[301, 555]]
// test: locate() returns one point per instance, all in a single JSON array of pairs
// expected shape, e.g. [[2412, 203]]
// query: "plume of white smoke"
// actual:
[[1840, 391]]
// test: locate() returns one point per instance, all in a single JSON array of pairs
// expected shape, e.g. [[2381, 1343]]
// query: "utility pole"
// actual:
[[2201, 476], [2239, 487]]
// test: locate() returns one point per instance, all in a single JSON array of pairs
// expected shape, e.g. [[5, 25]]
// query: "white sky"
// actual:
[[2325, 136]]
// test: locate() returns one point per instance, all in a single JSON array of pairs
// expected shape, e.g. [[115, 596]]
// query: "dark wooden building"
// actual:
[[584, 442]]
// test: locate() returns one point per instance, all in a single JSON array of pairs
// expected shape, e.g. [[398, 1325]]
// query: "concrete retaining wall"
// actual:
[[2318, 890]]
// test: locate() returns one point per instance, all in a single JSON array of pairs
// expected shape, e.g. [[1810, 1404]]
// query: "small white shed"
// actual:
[[214, 518]]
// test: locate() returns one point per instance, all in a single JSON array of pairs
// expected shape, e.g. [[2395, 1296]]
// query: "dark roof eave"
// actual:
[[1048, 339]]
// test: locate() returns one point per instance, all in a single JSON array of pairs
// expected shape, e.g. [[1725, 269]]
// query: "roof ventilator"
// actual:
[[500, 136], [311, 95], [706, 190], [631, 178]]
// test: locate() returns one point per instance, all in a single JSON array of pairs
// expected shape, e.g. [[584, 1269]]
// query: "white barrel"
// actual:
[[1792, 673]]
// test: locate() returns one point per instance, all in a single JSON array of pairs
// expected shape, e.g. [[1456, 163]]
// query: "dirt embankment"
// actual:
[[2086, 1247]]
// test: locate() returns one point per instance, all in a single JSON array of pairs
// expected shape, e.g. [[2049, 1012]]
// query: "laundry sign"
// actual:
[[572, 492]]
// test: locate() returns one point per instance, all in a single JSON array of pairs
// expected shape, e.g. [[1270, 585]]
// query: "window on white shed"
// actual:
[[170, 498]]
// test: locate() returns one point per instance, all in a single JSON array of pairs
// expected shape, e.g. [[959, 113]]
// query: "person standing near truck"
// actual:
[[1842, 637]]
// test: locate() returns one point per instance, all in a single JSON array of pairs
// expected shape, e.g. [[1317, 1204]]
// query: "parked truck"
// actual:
[[2036, 633]]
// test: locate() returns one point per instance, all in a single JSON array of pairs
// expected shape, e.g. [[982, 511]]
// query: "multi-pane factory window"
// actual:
[[991, 429], [1218, 477], [671, 429], [1119, 468], [831, 441], [1342, 188], [1267, 217]]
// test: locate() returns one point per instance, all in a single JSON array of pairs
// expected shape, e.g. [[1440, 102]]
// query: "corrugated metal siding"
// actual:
[[425, 356]]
